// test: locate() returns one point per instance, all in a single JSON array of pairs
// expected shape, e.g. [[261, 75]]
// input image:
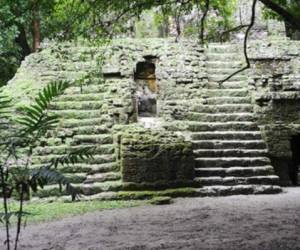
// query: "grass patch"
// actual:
[[45, 211]]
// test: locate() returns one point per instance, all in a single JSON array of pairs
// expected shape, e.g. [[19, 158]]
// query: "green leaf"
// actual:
[[73, 157], [34, 117], [7, 216]]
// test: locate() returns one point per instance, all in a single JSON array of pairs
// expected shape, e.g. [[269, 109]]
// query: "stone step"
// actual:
[[85, 189], [223, 48], [89, 168], [224, 57], [232, 180], [226, 135], [93, 139], [64, 149], [224, 65], [75, 105], [101, 177], [217, 76], [97, 159], [229, 144], [77, 122], [227, 100], [234, 171], [98, 187], [84, 130], [221, 190], [223, 108], [91, 130], [230, 152], [222, 71], [225, 162], [176, 102], [220, 117], [241, 92], [81, 97], [78, 114], [227, 85], [87, 89], [194, 126], [75, 178], [104, 196], [221, 126], [199, 192]]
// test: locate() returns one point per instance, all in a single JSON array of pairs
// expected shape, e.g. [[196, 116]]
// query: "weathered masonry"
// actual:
[[159, 119]]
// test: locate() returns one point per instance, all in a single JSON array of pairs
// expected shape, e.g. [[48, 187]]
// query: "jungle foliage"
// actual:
[[25, 23], [18, 137]]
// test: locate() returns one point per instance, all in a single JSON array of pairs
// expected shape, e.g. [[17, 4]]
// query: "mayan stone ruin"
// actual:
[[158, 118]]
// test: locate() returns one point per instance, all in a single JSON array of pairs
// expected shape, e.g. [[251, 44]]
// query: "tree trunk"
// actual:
[[36, 32], [293, 20], [21, 40]]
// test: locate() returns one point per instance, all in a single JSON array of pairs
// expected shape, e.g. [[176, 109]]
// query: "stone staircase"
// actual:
[[86, 123], [231, 156]]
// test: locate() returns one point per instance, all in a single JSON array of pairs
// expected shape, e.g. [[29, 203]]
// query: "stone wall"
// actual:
[[182, 85], [275, 87], [180, 68], [102, 95], [154, 157]]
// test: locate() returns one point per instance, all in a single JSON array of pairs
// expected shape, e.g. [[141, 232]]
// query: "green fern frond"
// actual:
[[5, 105], [44, 175], [5, 118], [6, 217], [34, 117], [73, 157]]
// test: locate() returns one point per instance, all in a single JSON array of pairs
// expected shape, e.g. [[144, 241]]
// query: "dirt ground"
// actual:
[[262, 222]]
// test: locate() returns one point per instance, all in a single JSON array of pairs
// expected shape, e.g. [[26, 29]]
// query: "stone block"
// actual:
[[154, 156]]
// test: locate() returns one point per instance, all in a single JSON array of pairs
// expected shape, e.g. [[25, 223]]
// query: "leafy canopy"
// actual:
[[24, 23]]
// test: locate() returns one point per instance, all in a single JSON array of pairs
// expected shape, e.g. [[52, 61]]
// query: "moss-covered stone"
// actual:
[[155, 157], [161, 200], [173, 193], [103, 97]]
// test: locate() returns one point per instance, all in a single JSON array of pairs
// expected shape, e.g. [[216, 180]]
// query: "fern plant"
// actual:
[[18, 139]]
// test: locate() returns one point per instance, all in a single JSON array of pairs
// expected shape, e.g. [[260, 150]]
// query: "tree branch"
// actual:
[[293, 20], [5, 205], [202, 25], [253, 15], [237, 28]]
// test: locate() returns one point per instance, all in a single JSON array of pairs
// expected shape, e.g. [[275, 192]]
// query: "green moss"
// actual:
[[173, 193], [76, 178], [161, 200], [54, 190], [159, 185]]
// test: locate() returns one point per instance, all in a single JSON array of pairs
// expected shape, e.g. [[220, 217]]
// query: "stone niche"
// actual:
[[284, 149], [146, 92], [154, 157]]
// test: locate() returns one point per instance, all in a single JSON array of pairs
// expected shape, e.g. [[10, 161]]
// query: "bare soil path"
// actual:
[[262, 222]]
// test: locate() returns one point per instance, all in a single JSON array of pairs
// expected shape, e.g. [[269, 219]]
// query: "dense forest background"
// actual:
[[25, 23]]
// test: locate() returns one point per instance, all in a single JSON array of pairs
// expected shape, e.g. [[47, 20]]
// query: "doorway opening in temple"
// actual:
[[295, 166], [146, 92]]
